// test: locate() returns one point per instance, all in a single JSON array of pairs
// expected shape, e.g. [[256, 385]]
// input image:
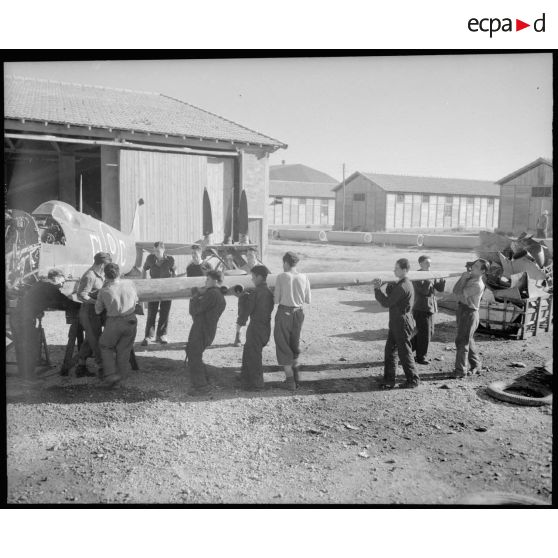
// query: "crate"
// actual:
[[516, 319]]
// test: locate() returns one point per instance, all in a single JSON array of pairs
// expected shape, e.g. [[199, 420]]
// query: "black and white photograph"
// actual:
[[280, 280]]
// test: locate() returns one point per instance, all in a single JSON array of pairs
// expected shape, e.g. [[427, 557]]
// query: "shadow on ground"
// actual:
[[167, 379], [369, 306]]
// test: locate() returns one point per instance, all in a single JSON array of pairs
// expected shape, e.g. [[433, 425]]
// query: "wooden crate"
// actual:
[[516, 319]]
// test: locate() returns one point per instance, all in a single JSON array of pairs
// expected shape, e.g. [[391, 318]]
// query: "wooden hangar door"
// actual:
[[171, 185], [220, 184]]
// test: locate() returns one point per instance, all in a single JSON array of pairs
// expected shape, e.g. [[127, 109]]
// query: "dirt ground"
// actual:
[[337, 440]]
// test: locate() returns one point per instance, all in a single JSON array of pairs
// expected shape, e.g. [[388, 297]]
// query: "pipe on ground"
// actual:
[[350, 237], [398, 239], [302, 234]]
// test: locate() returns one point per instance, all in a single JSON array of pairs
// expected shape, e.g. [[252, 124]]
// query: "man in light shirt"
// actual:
[[119, 298], [468, 289], [292, 290]]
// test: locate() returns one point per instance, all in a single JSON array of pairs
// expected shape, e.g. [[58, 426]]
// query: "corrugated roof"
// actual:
[[104, 107], [301, 189], [429, 185], [299, 173], [522, 170]]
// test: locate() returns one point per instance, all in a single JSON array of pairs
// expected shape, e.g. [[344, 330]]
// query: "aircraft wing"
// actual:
[[181, 287], [181, 249]]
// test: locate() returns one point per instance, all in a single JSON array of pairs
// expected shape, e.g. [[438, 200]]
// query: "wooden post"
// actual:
[[343, 196]]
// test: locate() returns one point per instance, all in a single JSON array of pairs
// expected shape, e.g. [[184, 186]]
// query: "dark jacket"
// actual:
[[399, 300], [43, 295], [160, 269], [425, 299], [257, 304], [206, 309]]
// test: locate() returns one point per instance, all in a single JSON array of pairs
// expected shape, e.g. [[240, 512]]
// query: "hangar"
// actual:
[[103, 148]]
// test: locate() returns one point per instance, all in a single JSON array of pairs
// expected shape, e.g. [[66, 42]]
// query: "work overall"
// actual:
[[258, 304], [116, 343], [205, 309]]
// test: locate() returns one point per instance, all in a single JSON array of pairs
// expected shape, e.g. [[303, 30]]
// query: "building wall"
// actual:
[[521, 204], [418, 211], [365, 206], [288, 210], [255, 181]]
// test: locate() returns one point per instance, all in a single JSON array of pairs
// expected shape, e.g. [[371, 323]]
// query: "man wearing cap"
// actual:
[[118, 298], [160, 266], [468, 290], [292, 291], [542, 224], [89, 286], [258, 306], [42, 295]]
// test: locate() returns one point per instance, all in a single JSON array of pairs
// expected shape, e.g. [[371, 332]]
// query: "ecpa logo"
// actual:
[[494, 24]]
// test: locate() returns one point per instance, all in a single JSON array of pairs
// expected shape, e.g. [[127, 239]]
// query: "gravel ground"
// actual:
[[337, 440]]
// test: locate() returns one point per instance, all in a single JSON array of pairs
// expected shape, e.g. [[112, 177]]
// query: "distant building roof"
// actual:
[[299, 173], [429, 185], [301, 189], [300, 181], [523, 170], [104, 107]]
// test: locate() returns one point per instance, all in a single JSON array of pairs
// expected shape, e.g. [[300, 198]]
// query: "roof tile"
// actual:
[[103, 107]]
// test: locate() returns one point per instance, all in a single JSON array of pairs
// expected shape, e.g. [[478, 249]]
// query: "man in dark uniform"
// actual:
[[206, 307], [89, 285], [42, 295], [423, 311], [542, 224], [251, 261], [259, 307], [399, 298], [196, 267], [160, 266]]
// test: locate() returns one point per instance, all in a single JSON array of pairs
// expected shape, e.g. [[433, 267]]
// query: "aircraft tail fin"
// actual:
[[134, 233]]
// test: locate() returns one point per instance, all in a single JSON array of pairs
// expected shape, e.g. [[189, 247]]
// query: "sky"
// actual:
[[458, 116]]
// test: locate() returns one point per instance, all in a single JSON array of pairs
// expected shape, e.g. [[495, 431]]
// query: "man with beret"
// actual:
[[258, 306]]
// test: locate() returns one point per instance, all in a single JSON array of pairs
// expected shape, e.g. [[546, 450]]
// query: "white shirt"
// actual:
[[292, 289]]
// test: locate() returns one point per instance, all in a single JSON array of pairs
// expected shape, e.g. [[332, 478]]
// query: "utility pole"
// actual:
[[343, 196], [81, 193]]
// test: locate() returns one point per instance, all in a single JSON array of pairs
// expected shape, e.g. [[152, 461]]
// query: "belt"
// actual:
[[290, 307], [123, 315]]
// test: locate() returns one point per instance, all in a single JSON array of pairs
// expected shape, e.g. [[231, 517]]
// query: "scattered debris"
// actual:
[[444, 386], [364, 454], [438, 358], [481, 429], [342, 359], [518, 365], [350, 426], [313, 431]]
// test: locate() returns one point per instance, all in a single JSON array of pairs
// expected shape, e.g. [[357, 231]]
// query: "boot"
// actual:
[[296, 374]]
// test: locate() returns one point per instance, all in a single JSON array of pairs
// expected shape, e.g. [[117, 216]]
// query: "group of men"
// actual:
[[109, 304], [411, 312]]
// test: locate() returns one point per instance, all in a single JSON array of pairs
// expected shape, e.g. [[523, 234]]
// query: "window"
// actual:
[[490, 202], [470, 201], [447, 210], [358, 197], [449, 199], [400, 198], [541, 192], [425, 198]]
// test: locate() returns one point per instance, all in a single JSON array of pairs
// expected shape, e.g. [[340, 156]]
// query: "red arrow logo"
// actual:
[[519, 25]]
